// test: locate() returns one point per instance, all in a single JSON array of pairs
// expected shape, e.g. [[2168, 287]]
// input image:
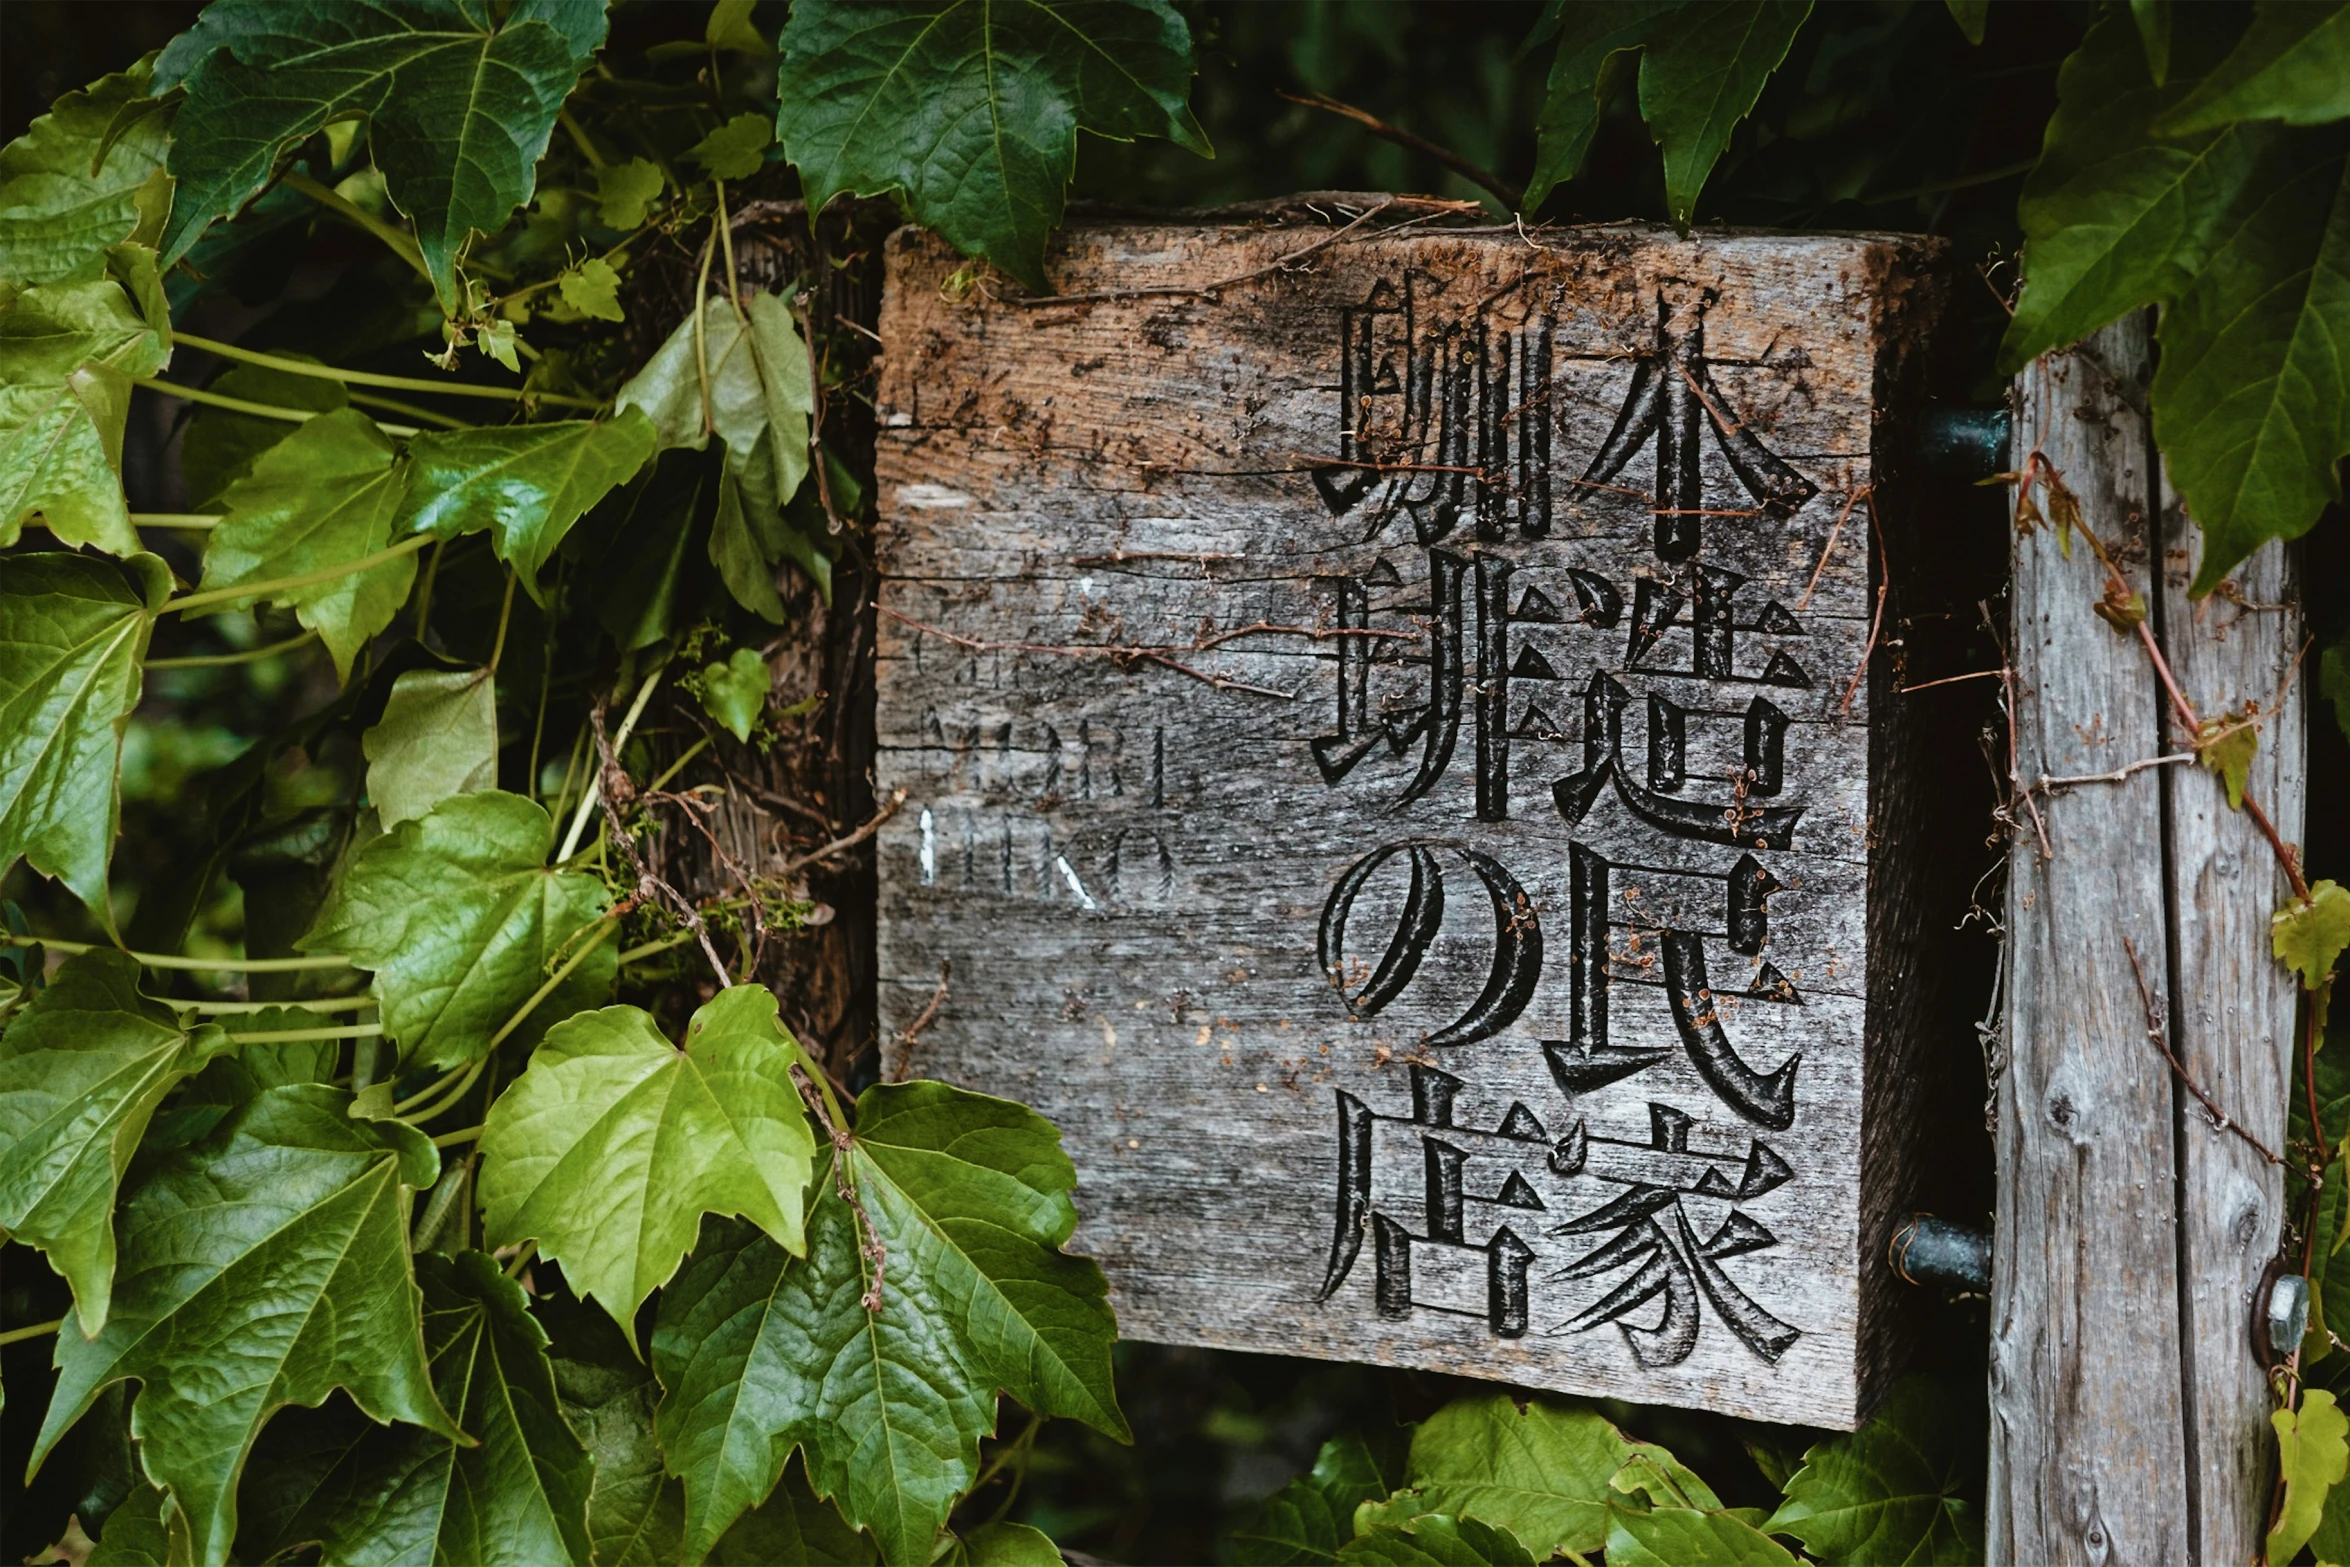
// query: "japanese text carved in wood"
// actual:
[[1389, 764]]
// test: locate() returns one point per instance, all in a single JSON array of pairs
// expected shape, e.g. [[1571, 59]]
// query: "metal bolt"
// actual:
[[1928, 1250], [2288, 1312]]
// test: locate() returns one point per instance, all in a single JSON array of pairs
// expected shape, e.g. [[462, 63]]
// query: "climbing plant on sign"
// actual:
[[444, 1069]]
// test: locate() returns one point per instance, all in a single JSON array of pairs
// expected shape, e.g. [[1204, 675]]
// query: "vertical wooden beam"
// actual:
[[2232, 1015], [2089, 1455]]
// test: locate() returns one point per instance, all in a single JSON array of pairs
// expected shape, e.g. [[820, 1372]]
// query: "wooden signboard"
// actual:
[[1391, 771]]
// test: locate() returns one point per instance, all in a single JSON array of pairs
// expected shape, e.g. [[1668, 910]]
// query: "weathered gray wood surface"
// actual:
[[1133, 872], [2129, 1415]]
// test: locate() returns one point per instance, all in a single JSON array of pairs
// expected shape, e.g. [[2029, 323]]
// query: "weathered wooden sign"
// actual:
[[1390, 767]]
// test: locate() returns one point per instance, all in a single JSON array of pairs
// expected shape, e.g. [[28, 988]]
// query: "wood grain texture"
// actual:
[[2232, 1016], [2089, 1444], [1188, 890]]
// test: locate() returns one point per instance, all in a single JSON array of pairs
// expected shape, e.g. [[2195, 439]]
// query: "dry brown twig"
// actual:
[[2157, 1034], [849, 840], [1477, 174], [913, 1031]]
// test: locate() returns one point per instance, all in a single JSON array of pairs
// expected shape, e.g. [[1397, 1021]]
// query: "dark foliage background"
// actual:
[[1883, 118]]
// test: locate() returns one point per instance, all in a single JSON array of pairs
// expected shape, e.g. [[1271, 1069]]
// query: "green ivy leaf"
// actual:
[[2252, 392], [146, 1529], [730, 27], [969, 111], [1891, 1491], [438, 738], [2314, 1456], [459, 111], [2226, 748], [516, 1497], [1703, 65], [82, 1069], [2309, 937], [1540, 1471], [736, 150], [66, 197], [2292, 65], [624, 190], [759, 383], [999, 1545], [636, 1512], [1435, 1540], [72, 633], [593, 289], [969, 1198], [612, 1145], [796, 1528], [1307, 1520], [68, 354], [527, 483], [459, 919], [219, 444], [2113, 216], [326, 495], [2333, 683], [2153, 19], [291, 1203], [735, 692], [1691, 1537]]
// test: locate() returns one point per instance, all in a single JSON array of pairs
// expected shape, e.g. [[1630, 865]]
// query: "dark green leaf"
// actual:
[[460, 920], [219, 444], [1307, 1520], [72, 633], [609, 1149], [2252, 394], [2294, 65], [759, 388], [291, 1204], [438, 738], [636, 1513], [646, 582], [1599, 43], [1434, 1540], [325, 496], [2153, 20], [527, 484], [969, 111], [795, 1528], [2333, 683], [62, 206], [968, 1196], [146, 1530], [1970, 15], [518, 1498], [1892, 1491], [82, 1069], [68, 354], [2113, 217], [459, 111]]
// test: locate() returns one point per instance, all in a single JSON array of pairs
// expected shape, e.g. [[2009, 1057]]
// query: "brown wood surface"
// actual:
[[1124, 868]]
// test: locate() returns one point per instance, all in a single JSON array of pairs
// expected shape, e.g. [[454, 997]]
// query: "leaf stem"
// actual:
[[293, 1036], [391, 383], [580, 138], [701, 334], [251, 655], [432, 574], [595, 784], [505, 614], [394, 405], [609, 924], [661, 944], [193, 521], [35, 1330], [452, 1139], [194, 965], [402, 243], [270, 586], [522, 1259], [678, 766], [324, 1004], [442, 1093], [197, 394]]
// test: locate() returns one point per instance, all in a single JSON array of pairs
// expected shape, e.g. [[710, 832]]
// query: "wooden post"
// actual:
[[2129, 1408]]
